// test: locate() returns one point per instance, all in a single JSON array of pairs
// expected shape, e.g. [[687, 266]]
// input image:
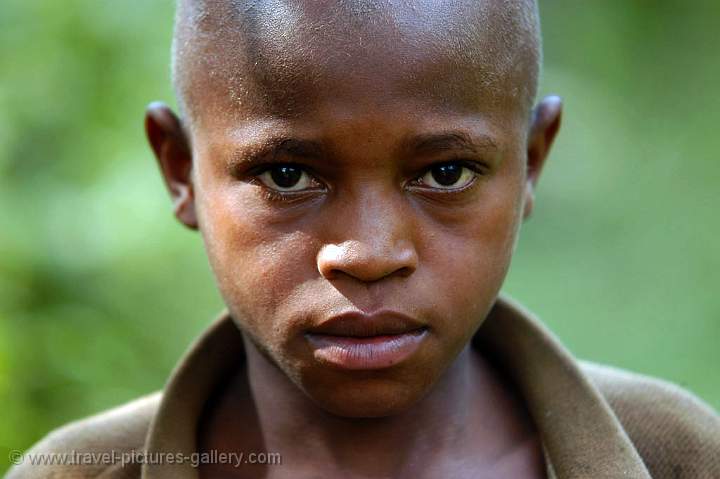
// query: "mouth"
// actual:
[[357, 341]]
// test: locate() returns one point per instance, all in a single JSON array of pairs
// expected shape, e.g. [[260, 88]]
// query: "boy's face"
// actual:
[[385, 201]]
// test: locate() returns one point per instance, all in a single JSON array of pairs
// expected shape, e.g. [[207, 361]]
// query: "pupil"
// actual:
[[446, 175], [286, 176]]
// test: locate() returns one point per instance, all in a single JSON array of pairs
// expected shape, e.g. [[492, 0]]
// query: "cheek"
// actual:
[[469, 259], [258, 266]]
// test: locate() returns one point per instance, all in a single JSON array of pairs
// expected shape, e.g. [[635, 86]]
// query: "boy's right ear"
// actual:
[[172, 151]]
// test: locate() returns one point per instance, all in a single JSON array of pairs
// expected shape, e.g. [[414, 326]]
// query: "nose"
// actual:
[[366, 262], [375, 241]]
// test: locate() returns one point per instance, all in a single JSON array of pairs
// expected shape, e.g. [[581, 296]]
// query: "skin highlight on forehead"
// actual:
[[276, 57]]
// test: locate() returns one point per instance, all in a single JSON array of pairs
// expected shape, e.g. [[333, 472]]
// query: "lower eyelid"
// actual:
[[292, 197]]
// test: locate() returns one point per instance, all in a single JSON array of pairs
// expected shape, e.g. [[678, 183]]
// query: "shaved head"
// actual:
[[272, 57]]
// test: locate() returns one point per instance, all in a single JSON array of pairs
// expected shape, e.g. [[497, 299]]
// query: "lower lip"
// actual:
[[360, 353]]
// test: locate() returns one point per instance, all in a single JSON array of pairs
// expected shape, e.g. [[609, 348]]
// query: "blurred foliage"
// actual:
[[101, 291]]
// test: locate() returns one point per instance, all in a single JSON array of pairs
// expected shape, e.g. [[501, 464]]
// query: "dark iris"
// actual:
[[447, 174], [286, 176]]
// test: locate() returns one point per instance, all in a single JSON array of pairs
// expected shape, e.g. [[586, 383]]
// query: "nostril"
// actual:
[[365, 276], [330, 274], [330, 260], [404, 272]]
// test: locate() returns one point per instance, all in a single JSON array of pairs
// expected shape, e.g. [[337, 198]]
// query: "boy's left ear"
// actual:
[[545, 125]]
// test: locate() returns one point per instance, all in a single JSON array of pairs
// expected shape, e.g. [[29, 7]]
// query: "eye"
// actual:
[[448, 176], [287, 178]]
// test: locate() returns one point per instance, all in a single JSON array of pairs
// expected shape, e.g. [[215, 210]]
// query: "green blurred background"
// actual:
[[101, 290]]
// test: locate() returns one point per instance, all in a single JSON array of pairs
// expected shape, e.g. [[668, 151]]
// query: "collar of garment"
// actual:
[[580, 434]]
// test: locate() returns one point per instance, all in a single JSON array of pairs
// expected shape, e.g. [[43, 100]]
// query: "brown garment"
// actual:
[[594, 421]]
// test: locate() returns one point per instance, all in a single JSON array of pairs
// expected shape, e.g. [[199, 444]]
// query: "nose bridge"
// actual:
[[374, 237], [377, 219]]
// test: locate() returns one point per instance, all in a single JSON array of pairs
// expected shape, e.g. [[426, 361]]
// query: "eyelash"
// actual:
[[273, 195]]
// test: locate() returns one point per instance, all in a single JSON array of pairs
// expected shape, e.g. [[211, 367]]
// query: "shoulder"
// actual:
[[676, 434], [94, 446]]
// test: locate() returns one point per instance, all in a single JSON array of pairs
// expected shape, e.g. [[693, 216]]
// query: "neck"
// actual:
[[464, 411]]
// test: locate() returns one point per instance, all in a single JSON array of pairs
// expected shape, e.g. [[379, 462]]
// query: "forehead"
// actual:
[[287, 58]]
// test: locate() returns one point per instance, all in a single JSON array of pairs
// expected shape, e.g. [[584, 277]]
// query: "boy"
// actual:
[[359, 170]]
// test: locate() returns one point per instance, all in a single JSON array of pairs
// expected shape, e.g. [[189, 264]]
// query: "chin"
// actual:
[[367, 397]]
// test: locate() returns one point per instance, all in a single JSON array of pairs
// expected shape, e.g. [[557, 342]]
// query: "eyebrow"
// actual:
[[450, 140], [269, 148]]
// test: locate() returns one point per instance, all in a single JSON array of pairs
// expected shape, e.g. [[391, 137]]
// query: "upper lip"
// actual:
[[358, 324]]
